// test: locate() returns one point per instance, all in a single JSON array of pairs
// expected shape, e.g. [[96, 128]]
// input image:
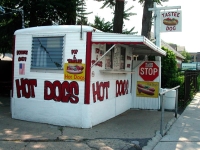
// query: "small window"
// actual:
[[108, 57], [47, 53]]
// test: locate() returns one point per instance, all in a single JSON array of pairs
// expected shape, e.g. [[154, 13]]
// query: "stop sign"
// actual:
[[148, 71]]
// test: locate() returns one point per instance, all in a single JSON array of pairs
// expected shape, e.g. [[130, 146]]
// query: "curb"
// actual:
[[156, 139]]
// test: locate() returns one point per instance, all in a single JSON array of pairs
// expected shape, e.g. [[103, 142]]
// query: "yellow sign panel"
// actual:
[[74, 71], [147, 89]]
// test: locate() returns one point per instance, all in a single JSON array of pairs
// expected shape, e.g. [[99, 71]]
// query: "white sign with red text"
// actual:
[[171, 21]]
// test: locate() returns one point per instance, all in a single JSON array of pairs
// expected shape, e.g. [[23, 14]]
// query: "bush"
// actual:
[[172, 77]]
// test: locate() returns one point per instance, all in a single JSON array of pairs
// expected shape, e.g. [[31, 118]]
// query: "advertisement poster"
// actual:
[[147, 89], [74, 71], [171, 21]]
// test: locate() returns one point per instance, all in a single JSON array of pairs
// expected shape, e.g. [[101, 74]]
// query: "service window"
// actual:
[[109, 57], [122, 57], [47, 53]]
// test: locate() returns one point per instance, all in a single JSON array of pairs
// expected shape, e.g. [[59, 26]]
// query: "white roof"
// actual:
[[140, 44], [55, 29]]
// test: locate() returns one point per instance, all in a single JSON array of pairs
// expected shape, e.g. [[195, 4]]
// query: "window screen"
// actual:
[[47, 53]]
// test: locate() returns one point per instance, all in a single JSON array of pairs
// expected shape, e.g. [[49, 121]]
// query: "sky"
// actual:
[[188, 37]]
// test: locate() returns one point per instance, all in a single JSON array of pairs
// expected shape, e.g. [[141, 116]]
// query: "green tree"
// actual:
[[37, 13], [102, 25], [187, 56], [147, 16], [120, 14], [169, 70]]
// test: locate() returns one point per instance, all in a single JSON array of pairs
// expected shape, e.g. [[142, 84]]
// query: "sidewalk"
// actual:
[[129, 131], [185, 132]]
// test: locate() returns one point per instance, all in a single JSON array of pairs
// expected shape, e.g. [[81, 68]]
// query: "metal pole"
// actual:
[[162, 114], [176, 103], [22, 14]]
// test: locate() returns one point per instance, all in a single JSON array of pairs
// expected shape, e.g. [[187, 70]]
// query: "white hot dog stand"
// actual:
[[78, 76]]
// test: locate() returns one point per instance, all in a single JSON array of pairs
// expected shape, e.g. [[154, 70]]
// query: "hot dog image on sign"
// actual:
[[147, 89], [171, 21], [74, 69]]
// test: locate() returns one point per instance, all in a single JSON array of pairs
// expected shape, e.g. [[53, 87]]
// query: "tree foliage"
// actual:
[[187, 56], [120, 14], [102, 25], [107, 26], [169, 69], [147, 16], [37, 13]]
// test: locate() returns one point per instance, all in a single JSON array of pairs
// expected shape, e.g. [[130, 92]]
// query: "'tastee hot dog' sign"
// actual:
[[171, 21]]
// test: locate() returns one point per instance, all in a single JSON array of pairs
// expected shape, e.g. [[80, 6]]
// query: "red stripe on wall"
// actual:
[[88, 67], [13, 59]]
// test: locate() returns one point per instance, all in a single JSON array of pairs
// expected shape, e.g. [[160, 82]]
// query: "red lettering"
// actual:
[[22, 59], [26, 91], [121, 87], [99, 63], [95, 91], [33, 83], [106, 86], [101, 87], [58, 96], [74, 90], [22, 52], [118, 91], [171, 14], [65, 92], [65, 89], [74, 60], [74, 51], [97, 50], [100, 91], [26, 88], [48, 86], [19, 87]]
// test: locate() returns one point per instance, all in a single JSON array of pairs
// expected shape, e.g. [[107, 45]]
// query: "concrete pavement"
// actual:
[[184, 134], [132, 130]]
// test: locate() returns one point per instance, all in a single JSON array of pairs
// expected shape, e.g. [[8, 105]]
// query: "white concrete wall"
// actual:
[[49, 111], [113, 106], [79, 115]]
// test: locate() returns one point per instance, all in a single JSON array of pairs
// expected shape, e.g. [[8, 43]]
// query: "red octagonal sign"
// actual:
[[149, 71]]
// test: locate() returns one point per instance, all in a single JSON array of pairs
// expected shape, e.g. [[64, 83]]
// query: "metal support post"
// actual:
[[22, 14], [162, 114], [176, 103]]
